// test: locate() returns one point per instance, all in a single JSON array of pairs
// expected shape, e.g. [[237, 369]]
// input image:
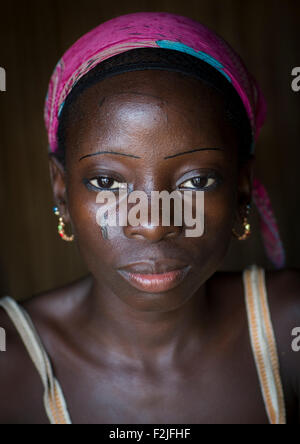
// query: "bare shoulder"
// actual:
[[56, 306], [56, 315], [283, 290], [21, 400], [283, 294], [20, 386]]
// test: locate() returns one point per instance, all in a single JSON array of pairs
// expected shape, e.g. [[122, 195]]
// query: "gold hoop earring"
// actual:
[[246, 226], [61, 227]]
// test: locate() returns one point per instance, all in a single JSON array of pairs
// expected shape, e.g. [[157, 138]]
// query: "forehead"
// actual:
[[143, 104], [160, 85], [159, 89]]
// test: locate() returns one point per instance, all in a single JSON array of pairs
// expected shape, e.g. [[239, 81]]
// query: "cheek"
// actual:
[[100, 255], [83, 209], [219, 215], [220, 208], [209, 250]]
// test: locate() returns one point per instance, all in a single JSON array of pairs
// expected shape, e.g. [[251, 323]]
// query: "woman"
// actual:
[[155, 334]]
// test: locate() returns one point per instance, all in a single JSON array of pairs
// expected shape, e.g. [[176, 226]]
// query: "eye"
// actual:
[[199, 183], [106, 183]]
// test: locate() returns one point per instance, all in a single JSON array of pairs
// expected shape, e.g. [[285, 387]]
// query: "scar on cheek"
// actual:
[[103, 225], [101, 102], [106, 216]]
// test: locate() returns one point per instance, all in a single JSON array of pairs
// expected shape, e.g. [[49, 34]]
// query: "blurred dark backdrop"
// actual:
[[33, 36]]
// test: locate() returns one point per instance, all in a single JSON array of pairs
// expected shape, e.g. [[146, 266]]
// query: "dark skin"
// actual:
[[126, 356]]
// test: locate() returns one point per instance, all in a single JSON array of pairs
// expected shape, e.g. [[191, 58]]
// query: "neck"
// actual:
[[156, 337]]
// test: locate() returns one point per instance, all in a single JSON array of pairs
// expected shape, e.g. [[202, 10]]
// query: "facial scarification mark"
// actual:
[[102, 102]]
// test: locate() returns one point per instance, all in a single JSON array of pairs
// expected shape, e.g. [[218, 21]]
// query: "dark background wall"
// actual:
[[33, 36]]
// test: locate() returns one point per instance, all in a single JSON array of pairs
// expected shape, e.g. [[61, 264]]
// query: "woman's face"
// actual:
[[161, 127]]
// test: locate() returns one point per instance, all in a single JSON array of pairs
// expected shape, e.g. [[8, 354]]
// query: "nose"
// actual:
[[153, 230], [152, 233]]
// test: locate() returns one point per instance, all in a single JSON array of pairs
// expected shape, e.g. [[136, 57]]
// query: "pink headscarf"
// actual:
[[170, 31]]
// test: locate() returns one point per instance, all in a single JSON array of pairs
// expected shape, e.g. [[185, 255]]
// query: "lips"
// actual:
[[155, 276]]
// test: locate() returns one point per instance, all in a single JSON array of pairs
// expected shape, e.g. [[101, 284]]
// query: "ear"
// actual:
[[245, 181], [58, 181]]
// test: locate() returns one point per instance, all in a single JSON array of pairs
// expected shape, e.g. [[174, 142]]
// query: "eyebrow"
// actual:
[[193, 151], [109, 152], [138, 157]]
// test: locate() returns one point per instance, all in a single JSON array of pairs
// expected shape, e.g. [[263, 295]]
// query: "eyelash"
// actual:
[[89, 183], [93, 187], [207, 177]]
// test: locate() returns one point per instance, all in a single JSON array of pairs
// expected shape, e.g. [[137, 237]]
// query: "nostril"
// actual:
[[171, 234], [151, 233], [136, 236]]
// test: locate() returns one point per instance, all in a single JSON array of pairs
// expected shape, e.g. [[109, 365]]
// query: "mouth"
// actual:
[[155, 277]]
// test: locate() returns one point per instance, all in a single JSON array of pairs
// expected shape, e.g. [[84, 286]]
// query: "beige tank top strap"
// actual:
[[54, 401], [263, 343]]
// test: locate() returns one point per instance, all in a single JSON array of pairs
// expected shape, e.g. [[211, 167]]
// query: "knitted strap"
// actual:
[[263, 343], [54, 401]]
